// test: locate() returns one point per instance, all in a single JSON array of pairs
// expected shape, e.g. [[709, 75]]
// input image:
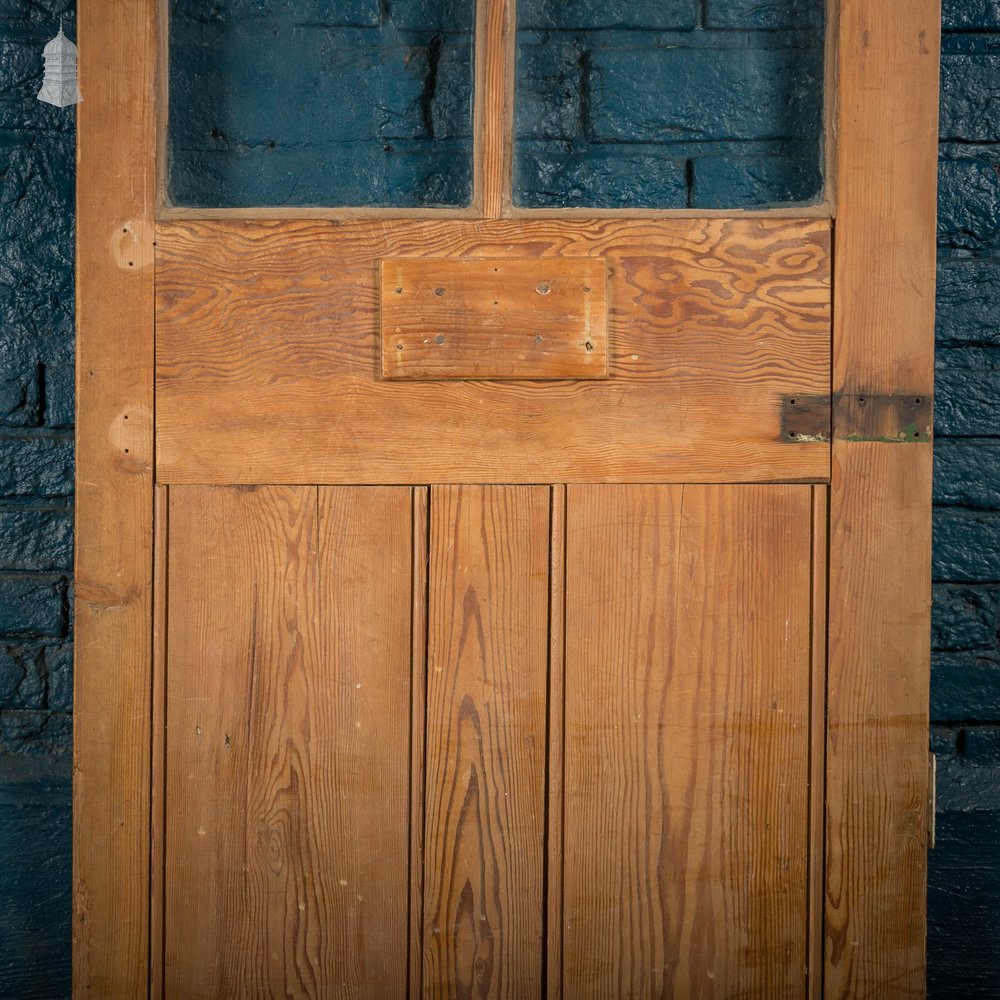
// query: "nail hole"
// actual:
[[399, 347], [399, 291], [916, 434], [586, 288], [791, 402], [538, 338], [439, 290], [917, 401], [126, 451], [861, 400], [589, 346]]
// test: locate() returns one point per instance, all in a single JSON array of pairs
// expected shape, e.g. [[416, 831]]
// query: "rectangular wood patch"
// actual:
[[494, 319]]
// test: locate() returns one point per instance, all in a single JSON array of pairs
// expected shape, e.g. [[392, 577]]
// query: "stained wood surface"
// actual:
[[879, 668], [493, 319], [114, 482], [288, 730], [268, 358], [686, 741], [494, 105], [486, 741]]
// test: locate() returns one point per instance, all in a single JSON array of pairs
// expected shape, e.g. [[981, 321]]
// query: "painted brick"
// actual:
[[344, 13], [968, 302], [723, 181], [32, 605], [22, 677], [731, 92], [569, 15], [970, 14], [967, 473], [20, 395], [36, 238], [36, 539], [970, 96], [549, 82], [373, 111], [966, 544], [60, 394], [966, 400], [21, 78], [969, 201], [35, 878], [34, 733], [59, 678], [554, 175], [965, 617], [432, 15], [764, 14], [37, 465], [965, 686]]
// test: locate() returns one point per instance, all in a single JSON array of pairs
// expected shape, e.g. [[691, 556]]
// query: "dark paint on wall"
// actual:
[[36, 462]]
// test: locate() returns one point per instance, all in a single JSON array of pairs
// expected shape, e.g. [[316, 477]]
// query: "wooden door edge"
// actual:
[[878, 673], [114, 500]]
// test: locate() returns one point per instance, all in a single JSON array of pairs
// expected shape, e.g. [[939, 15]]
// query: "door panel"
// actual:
[[487, 681], [269, 361], [686, 741], [288, 721]]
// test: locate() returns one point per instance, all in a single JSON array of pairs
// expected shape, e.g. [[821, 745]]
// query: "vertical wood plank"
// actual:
[[817, 738], [879, 666], [495, 104], [288, 742], [114, 457], [158, 802], [557, 692], [418, 716], [485, 750], [687, 717]]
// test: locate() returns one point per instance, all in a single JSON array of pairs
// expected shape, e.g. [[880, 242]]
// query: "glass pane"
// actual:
[[306, 102], [668, 103]]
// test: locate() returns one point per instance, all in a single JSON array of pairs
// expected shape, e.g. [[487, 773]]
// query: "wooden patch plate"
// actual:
[[494, 319]]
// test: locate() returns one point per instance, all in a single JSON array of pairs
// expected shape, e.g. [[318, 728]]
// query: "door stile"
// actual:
[[880, 500], [114, 499], [494, 106]]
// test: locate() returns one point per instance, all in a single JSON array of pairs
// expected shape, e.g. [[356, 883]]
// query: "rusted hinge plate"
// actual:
[[893, 419]]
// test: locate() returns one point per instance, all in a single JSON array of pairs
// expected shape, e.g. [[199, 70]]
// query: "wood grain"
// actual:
[[686, 741], [267, 346], [879, 669], [880, 499], [485, 748], [288, 730], [495, 105], [114, 506], [443, 318]]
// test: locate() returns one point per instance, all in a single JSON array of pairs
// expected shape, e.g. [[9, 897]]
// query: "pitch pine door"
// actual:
[[502, 570]]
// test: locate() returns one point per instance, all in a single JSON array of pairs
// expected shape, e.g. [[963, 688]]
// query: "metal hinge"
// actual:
[[891, 419]]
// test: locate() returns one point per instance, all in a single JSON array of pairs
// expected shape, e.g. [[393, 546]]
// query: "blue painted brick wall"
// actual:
[[36, 531], [36, 416], [964, 889]]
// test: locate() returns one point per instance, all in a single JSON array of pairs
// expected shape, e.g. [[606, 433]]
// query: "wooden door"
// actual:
[[536, 599]]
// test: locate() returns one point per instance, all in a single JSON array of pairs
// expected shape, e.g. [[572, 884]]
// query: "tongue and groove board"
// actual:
[[340, 794], [288, 738]]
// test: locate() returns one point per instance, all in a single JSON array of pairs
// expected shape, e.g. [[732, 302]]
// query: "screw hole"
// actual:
[[861, 400], [589, 346], [792, 434], [399, 347], [439, 339], [917, 401], [916, 434], [439, 290], [399, 291], [543, 289], [791, 402]]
